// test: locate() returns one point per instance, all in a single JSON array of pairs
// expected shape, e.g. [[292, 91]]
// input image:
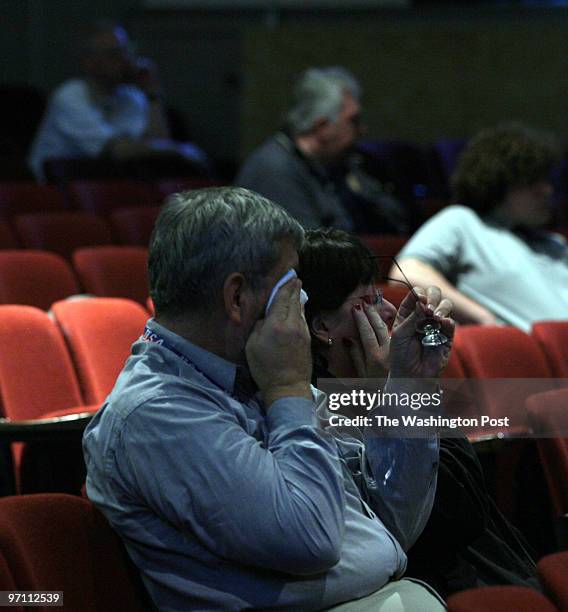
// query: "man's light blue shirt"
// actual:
[[79, 122], [224, 505]]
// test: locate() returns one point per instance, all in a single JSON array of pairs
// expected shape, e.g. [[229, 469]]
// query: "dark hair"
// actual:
[[203, 235], [333, 263], [498, 159]]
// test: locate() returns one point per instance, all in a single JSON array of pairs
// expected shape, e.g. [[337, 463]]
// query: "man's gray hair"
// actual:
[[318, 94], [202, 236]]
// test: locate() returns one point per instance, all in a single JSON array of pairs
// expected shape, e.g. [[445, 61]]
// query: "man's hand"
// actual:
[[409, 358], [278, 349]]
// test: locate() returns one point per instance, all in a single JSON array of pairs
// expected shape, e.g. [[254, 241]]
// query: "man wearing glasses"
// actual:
[[309, 166]]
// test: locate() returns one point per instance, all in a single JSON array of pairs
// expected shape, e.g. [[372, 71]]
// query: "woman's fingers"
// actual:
[[356, 356], [379, 326], [366, 332], [444, 308]]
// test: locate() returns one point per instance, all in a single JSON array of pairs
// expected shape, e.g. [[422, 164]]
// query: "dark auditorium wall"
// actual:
[[37, 37]]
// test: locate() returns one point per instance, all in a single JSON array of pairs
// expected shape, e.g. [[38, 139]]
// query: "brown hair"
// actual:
[[498, 159]]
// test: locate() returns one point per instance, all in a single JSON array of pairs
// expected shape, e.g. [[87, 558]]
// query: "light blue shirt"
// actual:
[[79, 122], [520, 280], [223, 505]]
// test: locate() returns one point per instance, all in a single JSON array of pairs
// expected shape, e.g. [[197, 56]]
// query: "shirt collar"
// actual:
[[221, 372]]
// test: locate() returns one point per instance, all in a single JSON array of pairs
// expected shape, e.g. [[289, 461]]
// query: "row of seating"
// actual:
[[99, 197], [63, 232], [39, 278], [55, 542], [99, 333], [63, 364]]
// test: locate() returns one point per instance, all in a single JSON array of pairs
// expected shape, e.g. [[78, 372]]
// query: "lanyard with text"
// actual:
[[151, 336]]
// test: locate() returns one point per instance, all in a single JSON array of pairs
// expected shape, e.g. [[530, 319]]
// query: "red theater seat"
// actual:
[[54, 542], [553, 575], [99, 333], [552, 336], [491, 352], [167, 186], [61, 232], [24, 197], [101, 197], [113, 271], [385, 244], [37, 379], [36, 278], [7, 238], [394, 293], [500, 599], [548, 415], [134, 225]]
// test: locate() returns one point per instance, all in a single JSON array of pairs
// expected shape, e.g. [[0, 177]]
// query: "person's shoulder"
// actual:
[[459, 212], [456, 215], [272, 153], [71, 90]]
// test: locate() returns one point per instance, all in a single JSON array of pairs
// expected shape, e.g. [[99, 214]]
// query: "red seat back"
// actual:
[[101, 197], [24, 197], [99, 332], [491, 352], [552, 573], [133, 225], [7, 238], [167, 186], [500, 599], [114, 271], [385, 244], [36, 372], [61, 232], [552, 336], [36, 278], [394, 293], [59, 542], [548, 413]]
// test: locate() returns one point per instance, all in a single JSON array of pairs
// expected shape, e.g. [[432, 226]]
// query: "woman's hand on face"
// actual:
[[408, 357], [371, 354]]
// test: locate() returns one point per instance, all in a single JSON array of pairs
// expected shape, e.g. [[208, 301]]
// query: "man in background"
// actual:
[[309, 167], [115, 109]]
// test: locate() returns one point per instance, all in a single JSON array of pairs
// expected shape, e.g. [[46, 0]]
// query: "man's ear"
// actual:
[[319, 329], [234, 299]]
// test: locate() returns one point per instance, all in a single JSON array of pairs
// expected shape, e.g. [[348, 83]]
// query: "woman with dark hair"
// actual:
[[466, 542], [490, 254]]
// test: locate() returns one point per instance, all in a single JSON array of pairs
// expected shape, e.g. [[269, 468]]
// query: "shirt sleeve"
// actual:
[[278, 507], [81, 122], [440, 241], [400, 477]]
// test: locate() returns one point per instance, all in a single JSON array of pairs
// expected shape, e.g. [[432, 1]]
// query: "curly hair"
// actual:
[[498, 159]]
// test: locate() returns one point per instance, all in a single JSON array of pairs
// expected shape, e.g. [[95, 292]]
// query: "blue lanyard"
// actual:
[[151, 336]]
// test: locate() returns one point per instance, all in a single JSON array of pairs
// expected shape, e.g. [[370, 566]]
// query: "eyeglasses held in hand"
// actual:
[[429, 327]]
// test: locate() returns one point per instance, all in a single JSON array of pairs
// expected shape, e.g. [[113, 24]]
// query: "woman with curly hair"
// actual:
[[491, 254]]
